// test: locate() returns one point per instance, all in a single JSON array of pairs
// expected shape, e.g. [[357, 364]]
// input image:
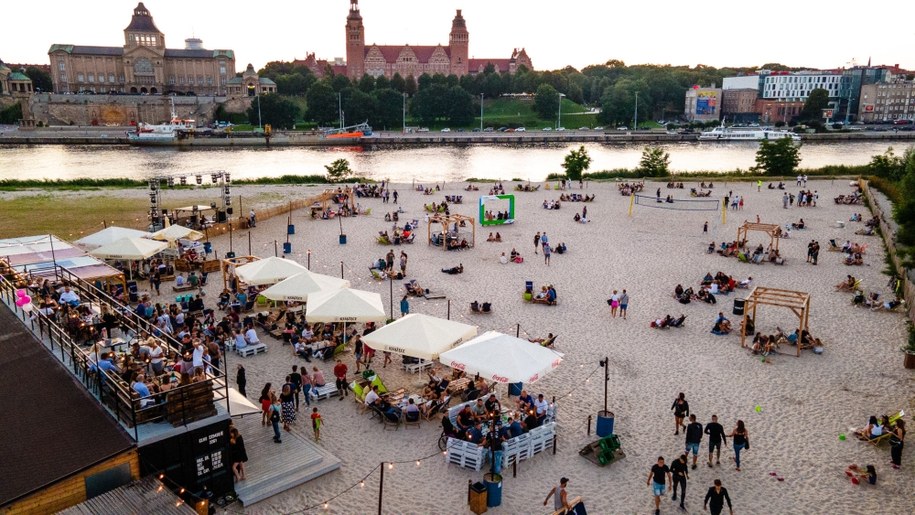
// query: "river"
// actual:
[[432, 163]]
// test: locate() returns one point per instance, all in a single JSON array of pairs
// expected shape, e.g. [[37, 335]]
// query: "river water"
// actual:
[[432, 163]]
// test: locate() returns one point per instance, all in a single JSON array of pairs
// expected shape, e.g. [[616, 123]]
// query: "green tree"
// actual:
[[366, 83], [904, 212], [11, 115], [576, 163], [292, 84], [339, 171], [41, 80], [340, 82], [322, 103], [778, 157], [459, 106], [357, 106], [655, 162], [398, 83], [275, 110], [430, 103], [388, 108], [382, 82], [813, 107], [888, 165], [409, 86], [546, 101]]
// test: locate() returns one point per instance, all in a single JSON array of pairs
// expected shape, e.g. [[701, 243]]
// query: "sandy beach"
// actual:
[[804, 403]]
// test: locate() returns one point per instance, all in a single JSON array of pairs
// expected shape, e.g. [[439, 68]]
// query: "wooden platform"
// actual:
[[276, 467]]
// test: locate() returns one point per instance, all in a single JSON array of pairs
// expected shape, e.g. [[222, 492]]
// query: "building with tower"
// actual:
[[406, 60], [142, 65]]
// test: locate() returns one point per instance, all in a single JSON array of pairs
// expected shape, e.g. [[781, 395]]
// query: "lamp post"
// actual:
[[340, 108], [559, 115], [258, 95], [404, 113], [481, 112], [635, 118]]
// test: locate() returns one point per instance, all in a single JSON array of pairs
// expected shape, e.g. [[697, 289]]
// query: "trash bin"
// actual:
[[290, 229], [230, 255], [493, 484], [207, 247], [604, 423], [287, 247], [476, 497], [342, 239], [738, 306], [514, 389]]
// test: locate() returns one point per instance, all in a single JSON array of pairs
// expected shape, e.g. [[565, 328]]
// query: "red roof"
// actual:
[[501, 65], [423, 53]]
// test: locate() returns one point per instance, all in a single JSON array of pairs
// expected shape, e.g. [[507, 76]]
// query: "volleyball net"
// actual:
[[679, 204]]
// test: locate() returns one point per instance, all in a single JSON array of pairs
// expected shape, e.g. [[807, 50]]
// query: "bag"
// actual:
[[746, 446], [275, 417], [609, 302]]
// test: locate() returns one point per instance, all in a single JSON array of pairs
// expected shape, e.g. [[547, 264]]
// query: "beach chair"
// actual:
[[392, 418], [412, 419], [833, 246]]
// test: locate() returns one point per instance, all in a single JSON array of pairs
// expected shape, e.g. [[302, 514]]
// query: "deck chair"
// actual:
[[392, 417], [834, 247], [742, 257], [412, 419], [376, 274], [549, 341]]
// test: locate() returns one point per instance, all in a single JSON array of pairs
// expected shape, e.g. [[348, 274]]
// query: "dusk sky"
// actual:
[[572, 32]]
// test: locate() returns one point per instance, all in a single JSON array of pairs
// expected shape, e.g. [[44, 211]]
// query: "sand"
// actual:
[[804, 403]]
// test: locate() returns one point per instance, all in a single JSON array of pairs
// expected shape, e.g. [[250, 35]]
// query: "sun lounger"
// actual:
[[251, 350], [431, 295]]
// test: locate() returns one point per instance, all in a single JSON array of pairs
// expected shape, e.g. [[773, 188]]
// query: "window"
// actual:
[[209, 80], [111, 78], [61, 65], [143, 66], [171, 80], [200, 80], [181, 79], [79, 77], [101, 77]]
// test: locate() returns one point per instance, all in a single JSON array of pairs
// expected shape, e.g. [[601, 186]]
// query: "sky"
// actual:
[[569, 33]]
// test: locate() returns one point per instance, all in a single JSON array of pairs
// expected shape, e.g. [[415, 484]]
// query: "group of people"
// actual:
[[626, 189], [497, 238], [886, 426], [575, 197]]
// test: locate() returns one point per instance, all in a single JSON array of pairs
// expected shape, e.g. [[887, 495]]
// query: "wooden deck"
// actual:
[[276, 467]]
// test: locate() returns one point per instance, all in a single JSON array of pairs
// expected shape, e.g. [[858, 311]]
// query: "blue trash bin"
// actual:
[[290, 229], [287, 247], [604, 423], [342, 239], [514, 389], [230, 255], [207, 247], [493, 484]]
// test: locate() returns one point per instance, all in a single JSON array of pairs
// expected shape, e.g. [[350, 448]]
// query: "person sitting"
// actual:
[[454, 270], [414, 288], [543, 341], [491, 237], [465, 419], [503, 259], [857, 473], [799, 225], [678, 322], [746, 283], [486, 307], [525, 401], [888, 305], [706, 296], [479, 410], [561, 248], [722, 325], [498, 238], [662, 323], [475, 307], [678, 291], [69, 296], [515, 256], [872, 430]]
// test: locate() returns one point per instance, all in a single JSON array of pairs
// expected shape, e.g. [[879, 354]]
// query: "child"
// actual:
[[869, 473], [316, 422]]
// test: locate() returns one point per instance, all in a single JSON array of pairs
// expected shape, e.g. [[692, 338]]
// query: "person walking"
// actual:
[[658, 477], [275, 410], [715, 499], [741, 440], [815, 252], [340, 375], [716, 436], [306, 386], [403, 263], [389, 261], [295, 379], [681, 411], [614, 303], [238, 455], [241, 380], [266, 401], [317, 421], [705, 227], [287, 399], [404, 307], [758, 184], [624, 303], [155, 280], [357, 353], [679, 470], [536, 241], [560, 496], [395, 196], [693, 438], [897, 442], [547, 251]]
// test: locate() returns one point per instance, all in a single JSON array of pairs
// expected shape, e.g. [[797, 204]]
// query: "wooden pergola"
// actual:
[[446, 221], [774, 231], [322, 201], [228, 264], [798, 302]]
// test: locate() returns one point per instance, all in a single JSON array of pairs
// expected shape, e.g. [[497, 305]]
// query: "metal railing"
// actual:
[[122, 402]]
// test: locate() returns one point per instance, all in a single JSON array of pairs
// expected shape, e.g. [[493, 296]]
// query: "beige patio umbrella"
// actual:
[[268, 271], [345, 305], [177, 232], [421, 336], [131, 249], [502, 358], [300, 286], [109, 235]]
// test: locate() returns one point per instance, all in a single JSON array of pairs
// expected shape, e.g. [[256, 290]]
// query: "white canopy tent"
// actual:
[[268, 271], [344, 305], [421, 336], [300, 286], [177, 232], [109, 235], [502, 358], [131, 249]]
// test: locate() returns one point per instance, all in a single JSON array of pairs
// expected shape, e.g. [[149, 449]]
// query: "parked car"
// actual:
[[503, 129], [560, 129], [476, 129], [488, 129], [584, 129], [547, 129], [622, 128], [902, 122], [599, 128], [446, 129], [423, 129], [520, 129]]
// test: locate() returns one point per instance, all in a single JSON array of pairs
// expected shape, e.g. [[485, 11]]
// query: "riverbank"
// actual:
[[394, 139]]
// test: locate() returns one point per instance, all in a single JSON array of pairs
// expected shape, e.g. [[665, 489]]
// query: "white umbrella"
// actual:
[[345, 305], [129, 249], [502, 358], [300, 286], [109, 235], [239, 405], [268, 271], [177, 232], [420, 336]]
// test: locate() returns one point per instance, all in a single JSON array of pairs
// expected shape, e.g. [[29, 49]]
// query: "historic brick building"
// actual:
[[407, 60], [142, 65]]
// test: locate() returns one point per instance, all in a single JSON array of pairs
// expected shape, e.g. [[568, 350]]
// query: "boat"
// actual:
[[353, 132], [746, 134], [162, 134]]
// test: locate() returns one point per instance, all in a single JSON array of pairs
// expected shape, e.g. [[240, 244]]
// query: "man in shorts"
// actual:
[[716, 436], [693, 438], [658, 478], [624, 304]]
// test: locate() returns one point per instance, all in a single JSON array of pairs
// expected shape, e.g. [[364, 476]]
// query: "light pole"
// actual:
[[404, 112], [259, 125], [340, 108], [635, 118], [481, 112], [559, 115]]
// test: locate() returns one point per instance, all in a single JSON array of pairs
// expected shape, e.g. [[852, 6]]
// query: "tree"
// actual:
[[357, 106], [655, 162], [430, 103], [904, 212], [409, 86], [779, 157], [459, 106], [275, 110], [11, 115], [339, 171], [546, 101], [366, 83], [388, 108], [576, 163], [340, 82], [322, 103], [398, 83], [813, 107], [41, 80], [888, 165]]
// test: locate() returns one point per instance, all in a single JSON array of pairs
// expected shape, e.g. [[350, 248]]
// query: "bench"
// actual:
[[572, 502], [251, 350], [325, 392], [465, 454], [415, 368], [185, 287]]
